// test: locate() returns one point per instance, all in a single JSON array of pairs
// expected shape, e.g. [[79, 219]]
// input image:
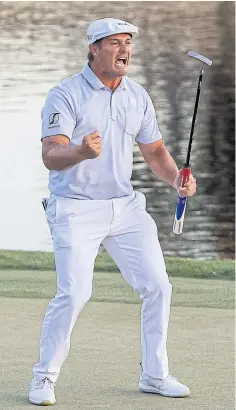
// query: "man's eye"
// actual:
[[114, 42]]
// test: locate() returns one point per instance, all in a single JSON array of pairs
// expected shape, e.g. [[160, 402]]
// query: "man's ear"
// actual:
[[93, 49]]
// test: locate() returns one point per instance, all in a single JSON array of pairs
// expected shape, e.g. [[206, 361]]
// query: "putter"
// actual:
[[186, 170]]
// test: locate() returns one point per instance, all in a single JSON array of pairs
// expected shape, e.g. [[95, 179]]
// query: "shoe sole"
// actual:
[[150, 389], [43, 403]]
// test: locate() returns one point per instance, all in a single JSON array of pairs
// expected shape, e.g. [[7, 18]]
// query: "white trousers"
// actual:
[[129, 234]]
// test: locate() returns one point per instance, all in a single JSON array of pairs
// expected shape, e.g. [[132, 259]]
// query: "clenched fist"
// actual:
[[91, 145]]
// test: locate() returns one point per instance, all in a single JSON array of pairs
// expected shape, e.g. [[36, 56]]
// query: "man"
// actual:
[[90, 122]]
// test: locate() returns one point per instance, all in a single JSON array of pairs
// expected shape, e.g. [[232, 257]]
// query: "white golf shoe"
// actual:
[[42, 392], [170, 386]]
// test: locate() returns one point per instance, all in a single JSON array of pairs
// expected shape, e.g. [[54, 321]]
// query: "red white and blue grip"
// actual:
[[181, 204]]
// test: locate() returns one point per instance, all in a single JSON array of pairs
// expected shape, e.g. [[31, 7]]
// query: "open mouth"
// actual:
[[121, 62]]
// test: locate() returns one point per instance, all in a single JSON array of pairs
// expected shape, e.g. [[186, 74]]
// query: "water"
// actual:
[[39, 45]]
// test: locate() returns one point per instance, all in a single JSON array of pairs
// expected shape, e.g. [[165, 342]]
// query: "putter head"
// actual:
[[200, 57]]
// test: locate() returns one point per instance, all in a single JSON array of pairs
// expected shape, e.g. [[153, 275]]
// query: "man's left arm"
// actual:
[[163, 166]]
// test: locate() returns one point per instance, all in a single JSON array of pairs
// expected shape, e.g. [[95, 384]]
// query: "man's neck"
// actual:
[[111, 83]]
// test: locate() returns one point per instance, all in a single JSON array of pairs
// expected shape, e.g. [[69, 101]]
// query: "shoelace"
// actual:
[[172, 377], [39, 384], [168, 377]]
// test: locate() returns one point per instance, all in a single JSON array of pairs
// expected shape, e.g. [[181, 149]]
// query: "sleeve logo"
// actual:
[[54, 118]]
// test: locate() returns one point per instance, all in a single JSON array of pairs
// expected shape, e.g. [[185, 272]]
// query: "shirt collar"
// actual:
[[94, 81]]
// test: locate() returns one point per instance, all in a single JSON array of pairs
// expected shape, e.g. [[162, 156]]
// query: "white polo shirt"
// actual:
[[82, 104]]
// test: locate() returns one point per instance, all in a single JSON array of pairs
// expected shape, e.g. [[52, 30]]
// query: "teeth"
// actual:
[[123, 59], [120, 62]]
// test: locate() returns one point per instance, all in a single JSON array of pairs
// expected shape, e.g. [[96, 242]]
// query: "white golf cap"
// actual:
[[106, 27]]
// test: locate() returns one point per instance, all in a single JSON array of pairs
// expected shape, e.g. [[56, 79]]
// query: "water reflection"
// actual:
[[40, 44]]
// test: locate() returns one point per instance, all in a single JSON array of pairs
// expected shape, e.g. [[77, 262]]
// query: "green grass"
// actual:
[[110, 287], [102, 369], [183, 267]]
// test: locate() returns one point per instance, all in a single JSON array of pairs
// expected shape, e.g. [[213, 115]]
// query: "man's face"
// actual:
[[113, 55]]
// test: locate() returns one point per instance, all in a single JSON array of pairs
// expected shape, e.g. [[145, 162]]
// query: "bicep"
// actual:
[[49, 142], [58, 114], [149, 150]]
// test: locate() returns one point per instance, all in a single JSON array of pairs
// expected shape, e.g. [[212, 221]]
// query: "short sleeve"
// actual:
[[149, 131], [57, 114]]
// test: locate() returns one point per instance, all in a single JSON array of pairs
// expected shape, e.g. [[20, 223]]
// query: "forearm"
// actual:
[[59, 157], [163, 165]]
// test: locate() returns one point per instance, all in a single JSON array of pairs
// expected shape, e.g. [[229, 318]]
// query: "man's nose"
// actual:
[[123, 48]]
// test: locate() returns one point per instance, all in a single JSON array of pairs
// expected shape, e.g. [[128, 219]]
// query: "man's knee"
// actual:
[[73, 300], [156, 285]]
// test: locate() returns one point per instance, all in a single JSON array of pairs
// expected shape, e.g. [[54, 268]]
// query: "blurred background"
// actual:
[[43, 42]]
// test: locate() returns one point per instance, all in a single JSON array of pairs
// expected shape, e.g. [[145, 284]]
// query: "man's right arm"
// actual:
[[59, 154]]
